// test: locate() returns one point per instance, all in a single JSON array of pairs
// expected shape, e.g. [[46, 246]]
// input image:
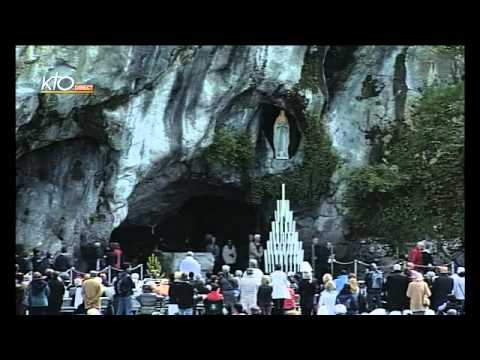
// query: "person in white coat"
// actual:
[[328, 298], [189, 264], [78, 293], [248, 290], [280, 290], [257, 273]]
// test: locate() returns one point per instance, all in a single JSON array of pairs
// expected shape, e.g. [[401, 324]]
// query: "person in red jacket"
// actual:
[[117, 254], [415, 255], [290, 303], [214, 302]]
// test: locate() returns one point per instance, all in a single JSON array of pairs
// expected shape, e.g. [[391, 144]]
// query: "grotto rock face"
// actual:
[[131, 151], [154, 110]]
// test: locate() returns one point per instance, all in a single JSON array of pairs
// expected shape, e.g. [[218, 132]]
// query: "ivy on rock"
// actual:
[[230, 150]]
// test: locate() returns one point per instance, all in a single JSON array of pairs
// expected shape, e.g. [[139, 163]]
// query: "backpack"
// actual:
[[377, 280], [124, 286]]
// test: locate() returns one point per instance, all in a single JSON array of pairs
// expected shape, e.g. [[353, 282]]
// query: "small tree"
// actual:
[[154, 267]]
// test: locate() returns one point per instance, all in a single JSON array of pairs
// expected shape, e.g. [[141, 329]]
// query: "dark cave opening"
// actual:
[[186, 229], [268, 115]]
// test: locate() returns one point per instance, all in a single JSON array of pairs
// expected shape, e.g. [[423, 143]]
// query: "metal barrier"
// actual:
[[355, 263], [107, 270]]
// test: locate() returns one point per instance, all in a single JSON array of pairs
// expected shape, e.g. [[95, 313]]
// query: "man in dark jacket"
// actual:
[[427, 258], [317, 253], [306, 290], [184, 296], [38, 261], [228, 284], [23, 260], [124, 290], [396, 289], [57, 289], [199, 286], [89, 255], [442, 286], [63, 262]]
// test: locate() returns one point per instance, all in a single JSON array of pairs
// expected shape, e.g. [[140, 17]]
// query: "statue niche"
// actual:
[[281, 136]]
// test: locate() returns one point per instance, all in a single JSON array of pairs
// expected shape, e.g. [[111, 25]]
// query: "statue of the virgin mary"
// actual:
[[281, 136]]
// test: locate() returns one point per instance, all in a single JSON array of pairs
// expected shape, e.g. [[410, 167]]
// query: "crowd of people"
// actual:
[[408, 289]]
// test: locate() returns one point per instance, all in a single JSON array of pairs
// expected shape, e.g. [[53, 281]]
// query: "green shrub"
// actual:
[[230, 150], [419, 189]]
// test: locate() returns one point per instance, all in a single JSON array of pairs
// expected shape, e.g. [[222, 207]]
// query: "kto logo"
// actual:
[[64, 85]]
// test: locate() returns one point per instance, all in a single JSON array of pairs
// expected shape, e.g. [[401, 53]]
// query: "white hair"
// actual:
[[93, 311], [225, 268], [257, 236], [395, 312], [379, 311]]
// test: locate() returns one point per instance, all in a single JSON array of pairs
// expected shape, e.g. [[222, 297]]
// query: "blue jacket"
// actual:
[[340, 282]]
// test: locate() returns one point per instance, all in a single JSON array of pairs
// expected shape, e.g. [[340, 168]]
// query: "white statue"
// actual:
[[283, 247], [281, 136]]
